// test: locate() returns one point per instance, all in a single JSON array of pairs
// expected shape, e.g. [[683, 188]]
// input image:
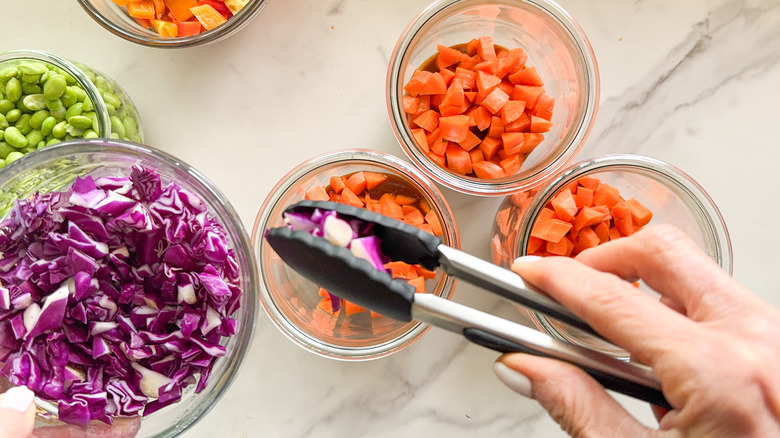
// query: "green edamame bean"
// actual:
[[34, 102], [41, 144], [74, 131], [54, 104], [82, 122], [111, 109], [55, 87], [30, 79], [2, 134], [130, 127], [47, 125], [6, 105], [90, 134], [112, 99], [69, 96], [117, 126], [5, 149], [8, 72], [52, 141], [15, 138], [31, 88], [80, 94], [32, 68], [13, 115], [13, 90], [34, 137], [13, 156], [36, 120], [87, 105], [23, 124], [60, 130], [74, 110], [59, 113], [3, 122]]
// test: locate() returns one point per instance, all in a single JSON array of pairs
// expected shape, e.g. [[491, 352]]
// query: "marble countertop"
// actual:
[[694, 83]]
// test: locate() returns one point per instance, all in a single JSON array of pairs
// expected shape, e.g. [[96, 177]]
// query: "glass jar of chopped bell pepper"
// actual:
[[45, 99]]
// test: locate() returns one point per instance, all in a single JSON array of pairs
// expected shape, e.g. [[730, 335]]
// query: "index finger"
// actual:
[[617, 310]]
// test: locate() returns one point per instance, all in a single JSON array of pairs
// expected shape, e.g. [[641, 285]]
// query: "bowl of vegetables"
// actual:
[[489, 97], [173, 23], [127, 288], [599, 200], [309, 315]]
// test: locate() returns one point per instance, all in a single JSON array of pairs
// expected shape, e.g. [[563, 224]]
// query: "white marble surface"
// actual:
[[695, 83]]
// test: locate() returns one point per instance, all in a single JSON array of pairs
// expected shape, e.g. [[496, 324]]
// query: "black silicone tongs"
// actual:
[[356, 280]]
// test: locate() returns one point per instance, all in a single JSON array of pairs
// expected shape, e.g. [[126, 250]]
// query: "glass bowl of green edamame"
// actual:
[[45, 99]]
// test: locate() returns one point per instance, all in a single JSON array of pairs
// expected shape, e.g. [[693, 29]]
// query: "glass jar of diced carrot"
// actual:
[[309, 315], [598, 200]]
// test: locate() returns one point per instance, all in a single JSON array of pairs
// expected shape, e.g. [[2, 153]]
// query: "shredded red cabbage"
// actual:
[[114, 295]]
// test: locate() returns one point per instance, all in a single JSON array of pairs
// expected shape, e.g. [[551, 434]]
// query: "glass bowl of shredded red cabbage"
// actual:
[[127, 287]]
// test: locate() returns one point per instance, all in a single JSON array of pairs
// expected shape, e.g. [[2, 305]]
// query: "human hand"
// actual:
[[712, 344], [17, 413]]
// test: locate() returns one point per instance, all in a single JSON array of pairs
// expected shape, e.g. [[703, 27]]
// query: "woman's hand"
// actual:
[[17, 413], [714, 345]]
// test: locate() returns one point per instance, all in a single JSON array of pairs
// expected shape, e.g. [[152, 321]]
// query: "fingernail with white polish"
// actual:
[[18, 398], [514, 380], [527, 259]]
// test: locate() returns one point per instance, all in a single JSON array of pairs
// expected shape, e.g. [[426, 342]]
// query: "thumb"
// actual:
[[578, 403], [17, 413]]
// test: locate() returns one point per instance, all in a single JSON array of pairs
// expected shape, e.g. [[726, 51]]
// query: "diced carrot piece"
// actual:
[[527, 94], [564, 205], [208, 16], [488, 170], [514, 59], [589, 182], [318, 193], [562, 247], [373, 179], [404, 200], [420, 138], [544, 106], [587, 238], [552, 230], [531, 142], [534, 243], [356, 183], [640, 214], [398, 269], [141, 9], [495, 100], [583, 197], [121, 3], [424, 104], [439, 147], [614, 234], [434, 85], [485, 48], [454, 95], [414, 217], [410, 103], [337, 183], [329, 306], [458, 159], [490, 146], [351, 308], [513, 142], [448, 56], [476, 155], [429, 120], [526, 76], [145, 23], [587, 217], [496, 127], [486, 82], [433, 220], [490, 66], [418, 284], [417, 82], [470, 142], [602, 231], [447, 75], [425, 273], [521, 124], [188, 28], [512, 110], [467, 78], [454, 128], [350, 198], [621, 213], [482, 117], [539, 125], [606, 195], [511, 164]]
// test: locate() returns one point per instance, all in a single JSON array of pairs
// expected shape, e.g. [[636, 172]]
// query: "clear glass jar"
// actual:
[[88, 93], [54, 168], [114, 18], [291, 300], [556, 46], [672, 196]]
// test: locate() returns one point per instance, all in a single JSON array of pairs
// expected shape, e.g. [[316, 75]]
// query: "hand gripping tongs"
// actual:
[[356, 280]]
